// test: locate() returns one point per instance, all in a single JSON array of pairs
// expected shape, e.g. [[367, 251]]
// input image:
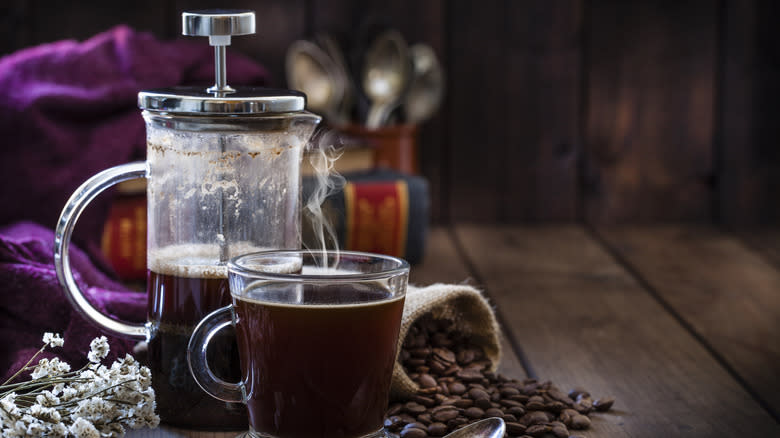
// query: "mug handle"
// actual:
[[70, 214], [199, 364]]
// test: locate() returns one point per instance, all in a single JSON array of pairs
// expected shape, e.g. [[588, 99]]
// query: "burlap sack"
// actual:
[[462, 304]]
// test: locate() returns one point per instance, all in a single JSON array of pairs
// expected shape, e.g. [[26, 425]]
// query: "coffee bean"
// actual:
[[427, 381], [413, 408], [560, 431], [494, 412], [415, 424], [413, 433], [465, 356], [445, 355], [576, 392], [535, 403], [515, 428], [457, 421], [394, 422], [438, 367], [420, 353], [537, 429], [510, 403], [533, 417], [428, 402], [474, 413], [483, 403], [445, 414], [464, 403], [428, 391], [469, 375], [457, 388], [478, 394], [517, 411], [580, 421], [437, 429], [603, 404]]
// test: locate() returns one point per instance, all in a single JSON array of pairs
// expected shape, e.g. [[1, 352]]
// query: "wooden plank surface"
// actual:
[[442, 264], [650, 99], [765, 241], [726, 293], [583, 320]]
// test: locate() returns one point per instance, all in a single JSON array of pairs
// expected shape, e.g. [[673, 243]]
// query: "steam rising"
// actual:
[[323, 152]]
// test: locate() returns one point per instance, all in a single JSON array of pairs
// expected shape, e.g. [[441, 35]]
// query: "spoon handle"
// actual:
[[378, 114]]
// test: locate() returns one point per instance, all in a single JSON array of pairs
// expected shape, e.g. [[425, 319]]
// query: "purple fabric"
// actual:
[[32, 301], [69, 110]]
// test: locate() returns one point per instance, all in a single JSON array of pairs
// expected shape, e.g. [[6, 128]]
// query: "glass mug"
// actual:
[[218, 185], [316, 345]]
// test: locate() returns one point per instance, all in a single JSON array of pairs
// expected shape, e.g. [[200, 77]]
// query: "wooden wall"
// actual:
[[610, 111]]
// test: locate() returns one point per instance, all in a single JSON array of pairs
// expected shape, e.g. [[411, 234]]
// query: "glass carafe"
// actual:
[[223, 179]]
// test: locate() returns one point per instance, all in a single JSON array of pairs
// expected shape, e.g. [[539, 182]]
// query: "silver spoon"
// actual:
[[488, 428], [310, 69], [385, 76], [427, 85], [332, 48]]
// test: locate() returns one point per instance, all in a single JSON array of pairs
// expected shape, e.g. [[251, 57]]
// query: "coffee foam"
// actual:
[[195, 260]]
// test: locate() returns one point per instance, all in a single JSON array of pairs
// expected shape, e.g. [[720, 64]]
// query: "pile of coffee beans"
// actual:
[[457, 388]]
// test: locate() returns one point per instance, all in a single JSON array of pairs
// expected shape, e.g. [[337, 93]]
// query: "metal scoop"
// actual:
[[488, 428]]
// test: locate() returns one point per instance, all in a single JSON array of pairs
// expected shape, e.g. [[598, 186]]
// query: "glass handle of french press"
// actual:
[[70, 214]]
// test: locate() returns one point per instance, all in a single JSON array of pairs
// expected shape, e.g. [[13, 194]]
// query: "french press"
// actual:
[[223, 179]]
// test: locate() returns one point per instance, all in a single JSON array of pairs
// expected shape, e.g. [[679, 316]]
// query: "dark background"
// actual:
[[608, 111]]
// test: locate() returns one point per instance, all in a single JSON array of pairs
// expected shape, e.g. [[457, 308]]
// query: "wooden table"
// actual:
[[681, 324]]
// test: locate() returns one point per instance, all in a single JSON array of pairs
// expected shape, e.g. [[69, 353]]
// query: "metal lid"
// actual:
[[245, 100], [221, 99]]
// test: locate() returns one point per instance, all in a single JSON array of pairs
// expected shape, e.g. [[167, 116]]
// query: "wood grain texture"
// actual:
[[541, 76], [748, 114], [514, 118], [583, 320], [765, 241], [726, 293], [650, 100]]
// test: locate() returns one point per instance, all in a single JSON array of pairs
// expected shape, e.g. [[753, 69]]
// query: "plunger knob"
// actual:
[[219, 25]]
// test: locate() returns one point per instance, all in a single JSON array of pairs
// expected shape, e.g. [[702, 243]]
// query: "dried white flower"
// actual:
[[98, 349], [94, 401], [82, 428], [53, 339], [53, 367]]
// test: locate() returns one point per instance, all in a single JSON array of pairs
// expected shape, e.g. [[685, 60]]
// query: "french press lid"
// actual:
[[221, 99]]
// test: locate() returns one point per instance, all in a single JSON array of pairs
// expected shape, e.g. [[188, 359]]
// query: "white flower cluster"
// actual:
[[93, 402]]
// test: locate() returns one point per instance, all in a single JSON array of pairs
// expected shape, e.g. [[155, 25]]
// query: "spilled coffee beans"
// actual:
[[457, 388]]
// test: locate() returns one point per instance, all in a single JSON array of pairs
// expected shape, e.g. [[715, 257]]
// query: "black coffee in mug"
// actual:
[[317, 359]]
